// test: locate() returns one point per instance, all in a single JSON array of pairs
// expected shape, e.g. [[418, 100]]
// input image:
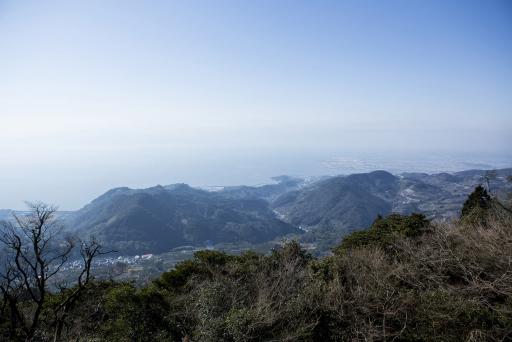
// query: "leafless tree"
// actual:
[[88, 251], [33, 252], [11, 289], [33, 257]]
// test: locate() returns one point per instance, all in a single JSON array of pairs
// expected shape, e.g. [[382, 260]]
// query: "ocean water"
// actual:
[[258, 169], [74, 182]]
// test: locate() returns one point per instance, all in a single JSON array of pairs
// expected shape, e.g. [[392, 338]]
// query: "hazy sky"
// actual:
[[97, 94]]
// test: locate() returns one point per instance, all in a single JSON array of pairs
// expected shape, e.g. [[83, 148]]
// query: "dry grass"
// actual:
[[456, 274]]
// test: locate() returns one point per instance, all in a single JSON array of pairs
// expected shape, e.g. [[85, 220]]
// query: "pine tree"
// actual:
[[477, 204]]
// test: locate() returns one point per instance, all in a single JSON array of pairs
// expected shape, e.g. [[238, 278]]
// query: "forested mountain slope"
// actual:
[[156, 219]]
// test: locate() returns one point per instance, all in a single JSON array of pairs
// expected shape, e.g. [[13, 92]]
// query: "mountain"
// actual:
[[338, 205], [350, 201], [160, 218], [157, 219], [268, 192], [440, 196]]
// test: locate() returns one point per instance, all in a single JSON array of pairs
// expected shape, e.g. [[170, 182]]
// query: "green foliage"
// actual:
[[384, 231], [476, 207], [178, 277], [136, 315], [213, 258], [202, 265]]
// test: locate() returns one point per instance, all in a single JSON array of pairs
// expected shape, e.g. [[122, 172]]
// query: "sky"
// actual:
[[98, 94]]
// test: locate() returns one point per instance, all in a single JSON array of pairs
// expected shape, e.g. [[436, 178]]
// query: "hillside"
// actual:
[[268, 192], [404, 279], [157, 219], [341, 204]]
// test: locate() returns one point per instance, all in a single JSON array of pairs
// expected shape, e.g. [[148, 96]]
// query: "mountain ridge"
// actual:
[[341, 204], [159, 218]]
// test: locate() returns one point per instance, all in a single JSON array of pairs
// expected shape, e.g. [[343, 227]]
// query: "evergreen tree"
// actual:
[[477, 205]]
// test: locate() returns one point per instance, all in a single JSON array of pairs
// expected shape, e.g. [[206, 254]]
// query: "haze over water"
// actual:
[[95, 94]]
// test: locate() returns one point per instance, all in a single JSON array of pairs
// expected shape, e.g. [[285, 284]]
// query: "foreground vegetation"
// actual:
[[404, 279]]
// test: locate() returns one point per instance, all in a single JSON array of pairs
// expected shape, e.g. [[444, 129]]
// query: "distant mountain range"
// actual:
[[331, 208], [160, 218]]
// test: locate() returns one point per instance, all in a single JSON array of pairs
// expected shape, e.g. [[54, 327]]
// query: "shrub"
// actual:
[[384, 231], [476, 207]]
